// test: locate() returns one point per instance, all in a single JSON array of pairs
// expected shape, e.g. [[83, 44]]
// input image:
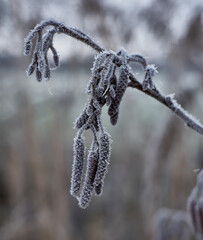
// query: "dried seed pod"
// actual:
[[88, 187], [104, 157], [78, 163], [82, 119], [120, 90]]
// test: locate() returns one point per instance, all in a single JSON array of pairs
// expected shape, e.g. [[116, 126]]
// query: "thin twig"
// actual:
[[152, 91]]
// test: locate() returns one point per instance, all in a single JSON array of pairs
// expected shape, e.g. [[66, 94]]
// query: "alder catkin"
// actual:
[[119, 92], [104, 157], [55, 56], [82, 119], [78, 163], [88, 187]]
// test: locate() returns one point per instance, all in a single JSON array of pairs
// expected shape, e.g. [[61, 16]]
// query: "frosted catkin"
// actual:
[[104, 157], [82, 119], [119, 92], [88, 187], [78, 163]]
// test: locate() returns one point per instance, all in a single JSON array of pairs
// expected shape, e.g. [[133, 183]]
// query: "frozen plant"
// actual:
[[106, 87], [171, 225], [195, 207]]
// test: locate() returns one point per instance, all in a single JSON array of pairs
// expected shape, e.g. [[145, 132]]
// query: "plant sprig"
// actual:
[[106, 87]]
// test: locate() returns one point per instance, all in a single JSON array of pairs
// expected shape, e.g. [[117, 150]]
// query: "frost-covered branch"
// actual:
[[106, 87]]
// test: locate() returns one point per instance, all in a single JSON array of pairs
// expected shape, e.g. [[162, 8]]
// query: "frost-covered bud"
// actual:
[[104, 157], [38, 75], [120, 90], [81, 120], [88, 187], [30, 69], [27, 47], [150, 71], [78, 163]]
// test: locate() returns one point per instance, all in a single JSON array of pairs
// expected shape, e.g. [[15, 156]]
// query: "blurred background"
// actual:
[[155, 158]]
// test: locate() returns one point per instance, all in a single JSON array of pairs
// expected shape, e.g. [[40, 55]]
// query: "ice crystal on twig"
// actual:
[[111, 75]]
